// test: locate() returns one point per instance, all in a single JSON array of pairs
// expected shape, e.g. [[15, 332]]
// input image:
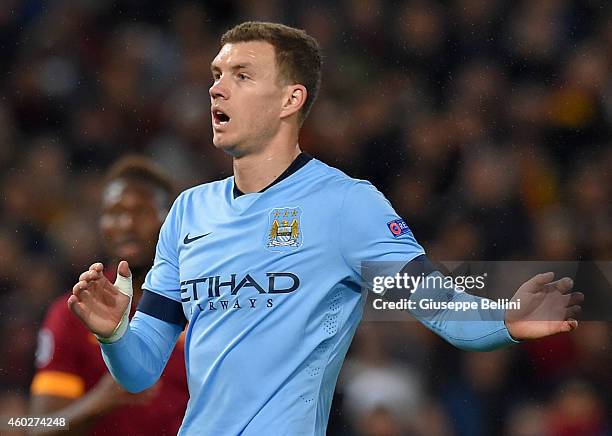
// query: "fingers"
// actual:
[[74, 306], [573, 312], [93, 273], [575, 298], [569, 325], [86, 278], [84, 283], [543, 279], [90, 275], [123, 269], [96, 267], [78, 288], [563, 285], [72, 300], [124, 279]]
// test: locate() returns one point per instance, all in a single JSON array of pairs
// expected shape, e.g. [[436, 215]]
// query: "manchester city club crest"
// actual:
[[284, 228]]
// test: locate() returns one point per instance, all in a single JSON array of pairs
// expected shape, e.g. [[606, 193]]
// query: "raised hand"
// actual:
[[546, 308], [98, 303]]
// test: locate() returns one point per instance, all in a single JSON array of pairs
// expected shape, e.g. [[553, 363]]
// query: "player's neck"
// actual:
[[255, 171]]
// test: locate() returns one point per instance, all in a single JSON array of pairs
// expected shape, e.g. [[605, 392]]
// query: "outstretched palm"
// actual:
[[546, 308], [97, 302]]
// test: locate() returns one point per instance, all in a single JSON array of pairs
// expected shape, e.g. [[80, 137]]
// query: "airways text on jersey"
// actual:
[[217, 292]]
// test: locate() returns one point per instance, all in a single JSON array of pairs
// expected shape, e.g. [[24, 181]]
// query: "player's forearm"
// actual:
[[137, 360], [471, 330]]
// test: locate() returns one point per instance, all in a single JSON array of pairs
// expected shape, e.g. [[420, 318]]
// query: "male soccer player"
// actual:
[[265, 265], [72, 380]]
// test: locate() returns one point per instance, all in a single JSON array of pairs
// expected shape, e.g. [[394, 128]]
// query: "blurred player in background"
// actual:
[[71, 379], [266, 265]]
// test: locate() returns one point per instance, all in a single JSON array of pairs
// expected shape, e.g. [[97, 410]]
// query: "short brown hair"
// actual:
[[135, 168], [298, 55]]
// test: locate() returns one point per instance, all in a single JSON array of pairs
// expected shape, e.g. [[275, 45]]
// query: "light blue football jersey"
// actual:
[[270, 284]]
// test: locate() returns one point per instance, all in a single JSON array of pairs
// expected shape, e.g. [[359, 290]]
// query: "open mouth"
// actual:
[[220, 117]]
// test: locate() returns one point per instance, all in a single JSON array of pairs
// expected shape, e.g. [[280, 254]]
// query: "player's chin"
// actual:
[[229, 147], [217, 142], [220, 140]]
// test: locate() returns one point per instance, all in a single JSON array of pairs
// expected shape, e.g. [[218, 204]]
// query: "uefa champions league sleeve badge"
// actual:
[[284, 231]]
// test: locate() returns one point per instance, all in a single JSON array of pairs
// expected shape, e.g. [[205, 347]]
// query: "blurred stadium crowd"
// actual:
[[486, 123]]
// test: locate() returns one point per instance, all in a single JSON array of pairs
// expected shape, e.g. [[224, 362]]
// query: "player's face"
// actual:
[[246, 97], [130, 222]]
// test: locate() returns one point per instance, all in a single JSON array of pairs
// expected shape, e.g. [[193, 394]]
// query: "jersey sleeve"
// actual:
[[57, 354], [371, 230], [138, 358], [163, 278]]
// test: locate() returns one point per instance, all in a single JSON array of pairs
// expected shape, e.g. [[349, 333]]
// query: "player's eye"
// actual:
[[242, 76]]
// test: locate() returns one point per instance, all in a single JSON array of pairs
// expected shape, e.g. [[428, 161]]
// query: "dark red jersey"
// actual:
[[70, 364]]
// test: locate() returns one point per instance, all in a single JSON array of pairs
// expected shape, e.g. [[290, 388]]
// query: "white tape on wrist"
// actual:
[[124, 284]]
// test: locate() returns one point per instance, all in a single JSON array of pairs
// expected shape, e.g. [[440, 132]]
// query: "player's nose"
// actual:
[[218, 90]]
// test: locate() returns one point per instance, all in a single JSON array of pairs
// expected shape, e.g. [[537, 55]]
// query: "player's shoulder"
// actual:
[[204, 189], [329, 173], [337, 180], [200, 194]]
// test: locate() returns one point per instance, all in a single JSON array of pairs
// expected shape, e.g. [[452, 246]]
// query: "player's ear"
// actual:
[[294, 99]]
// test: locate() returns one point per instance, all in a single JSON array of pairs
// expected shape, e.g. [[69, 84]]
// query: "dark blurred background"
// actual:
[[486, 123]]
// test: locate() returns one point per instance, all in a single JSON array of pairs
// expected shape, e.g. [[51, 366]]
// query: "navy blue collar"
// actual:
[[301, 160]]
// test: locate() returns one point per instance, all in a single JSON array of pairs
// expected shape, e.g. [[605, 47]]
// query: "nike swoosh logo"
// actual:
[[189, 240]]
